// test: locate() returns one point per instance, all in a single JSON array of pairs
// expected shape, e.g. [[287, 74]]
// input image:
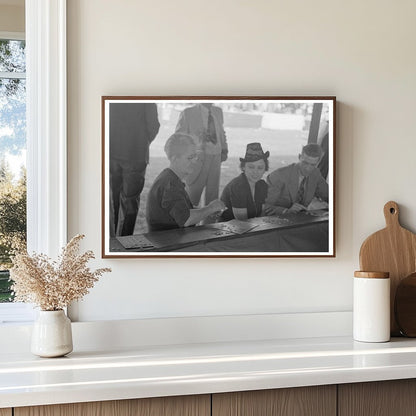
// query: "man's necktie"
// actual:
[[212, 133], [301, 191]]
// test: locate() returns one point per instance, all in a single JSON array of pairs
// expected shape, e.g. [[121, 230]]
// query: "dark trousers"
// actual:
[[126, 183]]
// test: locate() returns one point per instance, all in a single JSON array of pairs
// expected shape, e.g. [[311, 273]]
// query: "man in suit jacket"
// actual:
[[133, 126], [292, 188], [205, 122]]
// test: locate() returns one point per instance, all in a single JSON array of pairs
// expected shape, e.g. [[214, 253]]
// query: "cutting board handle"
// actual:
[[391, 214]]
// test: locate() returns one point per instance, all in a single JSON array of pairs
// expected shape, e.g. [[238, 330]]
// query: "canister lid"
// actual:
[[372, 275]]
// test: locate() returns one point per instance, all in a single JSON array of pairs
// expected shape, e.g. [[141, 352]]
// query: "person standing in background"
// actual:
[[205, 122], [133, 127]]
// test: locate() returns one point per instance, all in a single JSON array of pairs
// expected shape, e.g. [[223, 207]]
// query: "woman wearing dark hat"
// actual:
[[244, 196]]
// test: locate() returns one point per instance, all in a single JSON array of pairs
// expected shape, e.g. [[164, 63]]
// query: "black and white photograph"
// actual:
[[218, 176]]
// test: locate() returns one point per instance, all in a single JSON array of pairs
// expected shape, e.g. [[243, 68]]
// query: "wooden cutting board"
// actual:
[[392, 250]]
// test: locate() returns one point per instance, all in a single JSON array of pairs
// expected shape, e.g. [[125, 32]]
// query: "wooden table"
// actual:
[[293, 233]]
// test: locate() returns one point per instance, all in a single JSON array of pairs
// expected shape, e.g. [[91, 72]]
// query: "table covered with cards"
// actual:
[[302, 232]]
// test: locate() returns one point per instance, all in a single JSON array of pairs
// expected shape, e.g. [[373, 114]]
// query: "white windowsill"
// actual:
[[16, 313], [186, 330]]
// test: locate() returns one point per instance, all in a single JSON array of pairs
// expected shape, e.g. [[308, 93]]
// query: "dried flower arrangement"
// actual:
[[52, 285]]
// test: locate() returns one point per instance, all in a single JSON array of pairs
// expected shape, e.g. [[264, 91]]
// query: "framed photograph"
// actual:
[[218, 176]]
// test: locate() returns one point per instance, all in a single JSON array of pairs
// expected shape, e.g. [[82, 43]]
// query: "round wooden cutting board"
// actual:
[[392, 250]]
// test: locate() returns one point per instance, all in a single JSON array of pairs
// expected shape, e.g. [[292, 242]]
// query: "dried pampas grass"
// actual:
[[53, 285]]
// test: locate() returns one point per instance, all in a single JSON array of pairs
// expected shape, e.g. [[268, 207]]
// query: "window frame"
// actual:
[[18, 312], [46, 114], [12, 36], [46, 125]]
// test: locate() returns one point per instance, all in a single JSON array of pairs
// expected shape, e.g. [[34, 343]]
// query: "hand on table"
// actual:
[[295, 208], [270, 210], [216, 206]]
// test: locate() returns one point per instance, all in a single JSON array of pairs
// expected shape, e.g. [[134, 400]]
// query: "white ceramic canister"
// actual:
[[371, 309]]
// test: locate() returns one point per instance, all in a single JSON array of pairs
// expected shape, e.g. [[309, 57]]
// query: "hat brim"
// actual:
[[265, 156]]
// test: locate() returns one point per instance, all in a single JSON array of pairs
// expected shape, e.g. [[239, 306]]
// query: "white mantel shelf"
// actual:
[[169, 370]]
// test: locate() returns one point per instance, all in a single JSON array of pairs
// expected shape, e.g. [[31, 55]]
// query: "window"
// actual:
[[12, 154], [46, 135]]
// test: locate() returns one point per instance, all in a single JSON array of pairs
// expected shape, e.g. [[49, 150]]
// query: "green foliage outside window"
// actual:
[[12, 97], [12, 144], [12, 224]]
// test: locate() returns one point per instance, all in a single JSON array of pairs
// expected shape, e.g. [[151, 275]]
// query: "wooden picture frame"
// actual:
[[155, 200]]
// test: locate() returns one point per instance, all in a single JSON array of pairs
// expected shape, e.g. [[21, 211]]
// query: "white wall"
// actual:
[[361, 51]]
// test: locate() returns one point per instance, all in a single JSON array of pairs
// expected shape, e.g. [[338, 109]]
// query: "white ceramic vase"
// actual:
[[52, 334]]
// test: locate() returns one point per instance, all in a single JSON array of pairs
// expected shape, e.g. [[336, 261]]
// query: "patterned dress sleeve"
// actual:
[[175, 203]]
